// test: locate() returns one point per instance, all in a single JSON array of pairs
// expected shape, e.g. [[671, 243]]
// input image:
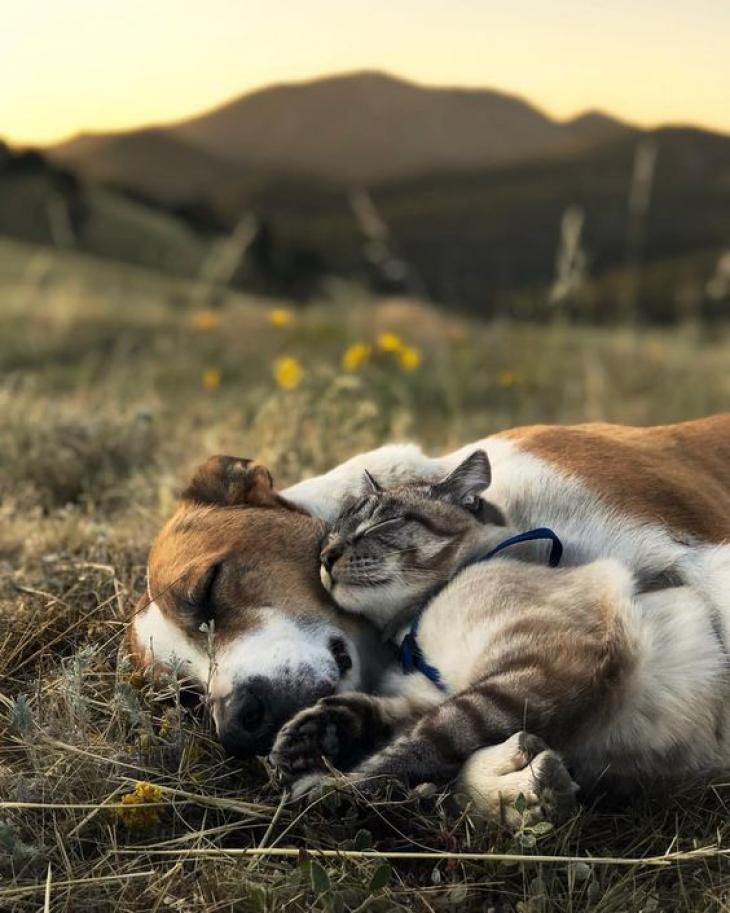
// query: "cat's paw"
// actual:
[[519, 782], [312, 786], [334, 730], [317, 785]]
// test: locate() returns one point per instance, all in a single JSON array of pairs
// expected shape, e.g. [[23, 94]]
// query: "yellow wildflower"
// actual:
[[137, 812], [390, 342], [280, 317], [355, 356], [287, 372], [206, 320], [169, 723], [507, 378], [211, 379], [409, 358]]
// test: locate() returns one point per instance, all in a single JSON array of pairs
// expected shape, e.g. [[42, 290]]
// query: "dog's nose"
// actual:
[[249, 710], [250, 716], [244, 718], [329, 555]]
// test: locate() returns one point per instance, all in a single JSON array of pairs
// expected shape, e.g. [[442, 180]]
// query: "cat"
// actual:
[[574, 656], [410, 540], [390, 549]]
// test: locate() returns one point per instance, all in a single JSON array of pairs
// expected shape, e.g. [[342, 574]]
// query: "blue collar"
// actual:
[[411, 655]]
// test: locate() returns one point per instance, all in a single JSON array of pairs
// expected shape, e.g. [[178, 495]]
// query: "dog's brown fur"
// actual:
[[230, 513], [677, 475]]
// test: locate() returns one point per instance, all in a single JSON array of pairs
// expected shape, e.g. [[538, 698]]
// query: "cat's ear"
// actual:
[[369, 485], [465, 483]]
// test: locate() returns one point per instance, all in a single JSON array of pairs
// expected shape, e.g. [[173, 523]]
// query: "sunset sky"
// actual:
[[71, 65]]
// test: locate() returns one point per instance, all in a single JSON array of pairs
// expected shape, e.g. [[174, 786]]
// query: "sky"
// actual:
[[73, 65]]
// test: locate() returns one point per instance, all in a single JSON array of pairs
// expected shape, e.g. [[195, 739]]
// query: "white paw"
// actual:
[[494, 779]]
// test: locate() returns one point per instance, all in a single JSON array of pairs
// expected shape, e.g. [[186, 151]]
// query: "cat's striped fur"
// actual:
[[590, 658]]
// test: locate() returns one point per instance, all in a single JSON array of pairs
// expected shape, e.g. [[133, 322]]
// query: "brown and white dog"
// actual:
[[657, 500]]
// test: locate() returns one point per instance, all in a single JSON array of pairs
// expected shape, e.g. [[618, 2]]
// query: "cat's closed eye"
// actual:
[[390, 523]]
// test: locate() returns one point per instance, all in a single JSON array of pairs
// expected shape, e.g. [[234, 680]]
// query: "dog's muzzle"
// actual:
[[249, 717]]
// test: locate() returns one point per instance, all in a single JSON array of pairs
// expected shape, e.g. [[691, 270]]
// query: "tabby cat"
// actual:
[[576, 656], [388, 554], [389, 550]]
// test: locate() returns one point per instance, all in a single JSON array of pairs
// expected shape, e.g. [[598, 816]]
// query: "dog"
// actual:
[[240, 560]]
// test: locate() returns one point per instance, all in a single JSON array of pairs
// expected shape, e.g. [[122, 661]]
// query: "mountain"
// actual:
[[152, 162], [467, 193], [360, 127], [475, 236], [370, 126], [594, 127]]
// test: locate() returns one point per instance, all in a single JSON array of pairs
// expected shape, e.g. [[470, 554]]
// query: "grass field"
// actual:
[[115, 383]]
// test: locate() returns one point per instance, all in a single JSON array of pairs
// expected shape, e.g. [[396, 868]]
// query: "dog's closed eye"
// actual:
[[199, 599]]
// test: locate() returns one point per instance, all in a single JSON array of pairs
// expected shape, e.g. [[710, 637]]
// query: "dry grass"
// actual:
[[103, 412]]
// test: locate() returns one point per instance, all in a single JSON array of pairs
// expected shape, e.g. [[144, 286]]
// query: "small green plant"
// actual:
[[14, 852], [22, 715]]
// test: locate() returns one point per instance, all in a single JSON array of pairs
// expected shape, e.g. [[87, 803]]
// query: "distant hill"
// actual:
[[466, 194], [593, 127], [152, 162], [362, 127], [45, 204], [486, 240], [477, 237]]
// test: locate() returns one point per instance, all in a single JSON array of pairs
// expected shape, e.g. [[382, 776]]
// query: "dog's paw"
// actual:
[[333, 732], [519, 782]]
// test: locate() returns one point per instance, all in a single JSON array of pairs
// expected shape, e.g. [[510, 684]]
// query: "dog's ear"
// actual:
[[229, 481]]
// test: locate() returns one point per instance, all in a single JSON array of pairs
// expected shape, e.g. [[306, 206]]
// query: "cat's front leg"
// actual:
[[436, 746], [340, 731], [513, 783], [517, 782]]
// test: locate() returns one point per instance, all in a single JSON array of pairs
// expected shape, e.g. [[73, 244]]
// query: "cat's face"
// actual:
[[390, 549]]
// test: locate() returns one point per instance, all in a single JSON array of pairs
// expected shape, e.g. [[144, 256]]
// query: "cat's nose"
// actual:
[[329, 555]]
